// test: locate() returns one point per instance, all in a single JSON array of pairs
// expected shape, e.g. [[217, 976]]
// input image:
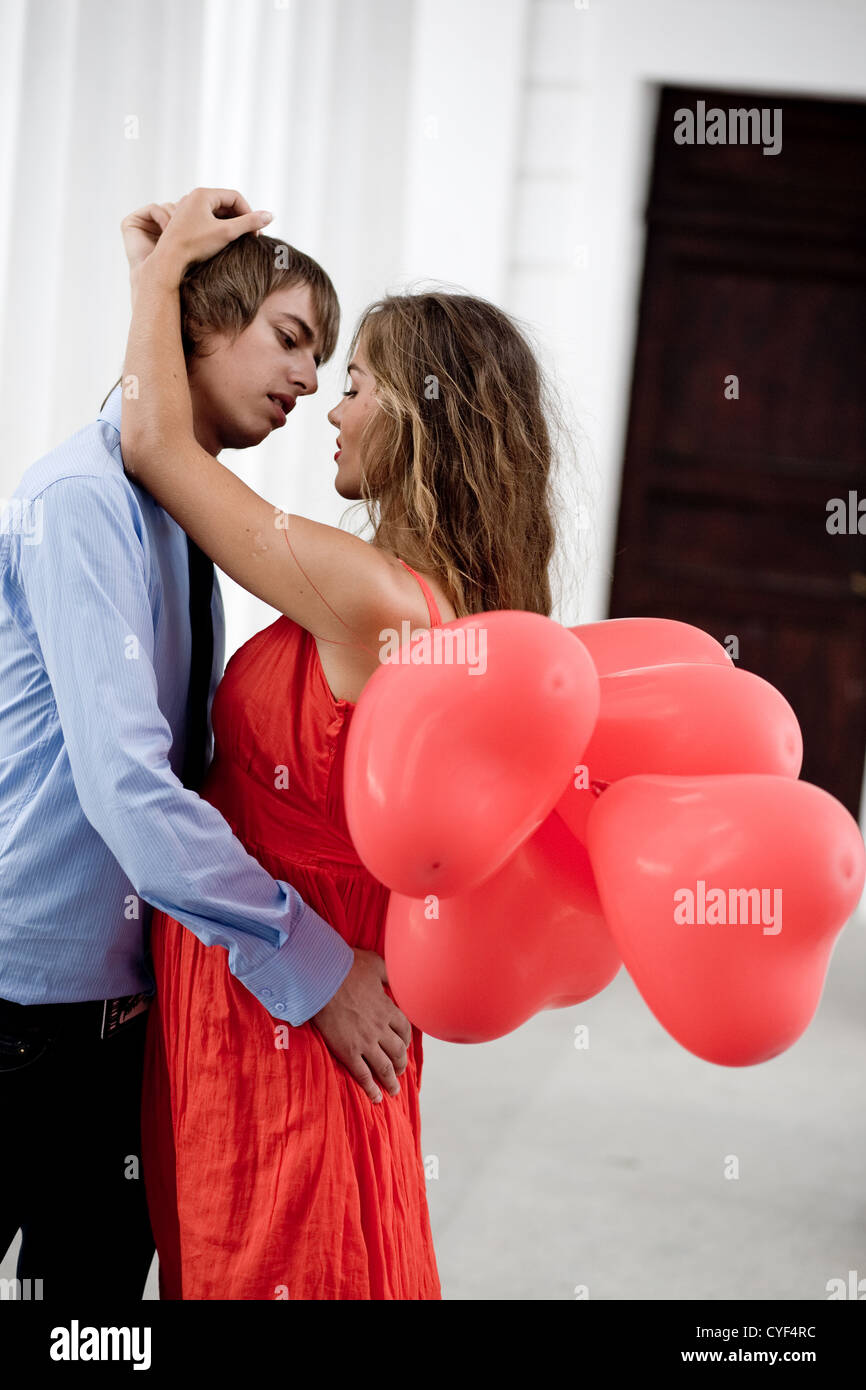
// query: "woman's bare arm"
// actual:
[[281, 558]]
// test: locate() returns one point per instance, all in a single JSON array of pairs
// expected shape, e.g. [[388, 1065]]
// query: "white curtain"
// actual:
[[380, 133]]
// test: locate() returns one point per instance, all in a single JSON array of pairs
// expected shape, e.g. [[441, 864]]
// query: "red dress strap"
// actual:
[[435, 615]]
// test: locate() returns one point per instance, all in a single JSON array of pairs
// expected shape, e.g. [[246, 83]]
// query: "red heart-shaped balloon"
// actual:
[[782, 861], [451, 765], [474, 967], [684, 720], [623, 644]]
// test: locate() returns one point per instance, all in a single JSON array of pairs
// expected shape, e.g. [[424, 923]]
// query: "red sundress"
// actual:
[[269, 1172]]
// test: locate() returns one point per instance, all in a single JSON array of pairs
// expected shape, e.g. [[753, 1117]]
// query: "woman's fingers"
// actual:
[[141, 230], [226, 202], [153, 216], [206, 220]]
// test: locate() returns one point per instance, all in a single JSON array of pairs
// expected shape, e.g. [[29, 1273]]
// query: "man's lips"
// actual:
[[282, 406]]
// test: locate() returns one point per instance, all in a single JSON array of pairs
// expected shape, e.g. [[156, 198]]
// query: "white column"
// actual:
[[463, 117]]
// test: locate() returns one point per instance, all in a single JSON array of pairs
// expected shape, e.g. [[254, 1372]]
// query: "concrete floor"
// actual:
[[605, 1168]]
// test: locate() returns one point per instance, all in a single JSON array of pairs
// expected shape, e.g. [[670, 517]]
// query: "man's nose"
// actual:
[[306, 377]]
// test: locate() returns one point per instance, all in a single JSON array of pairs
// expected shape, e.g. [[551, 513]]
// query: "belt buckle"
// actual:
[[116, 1012]]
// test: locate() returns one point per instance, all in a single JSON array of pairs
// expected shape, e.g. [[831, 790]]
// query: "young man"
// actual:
[[103, 738]]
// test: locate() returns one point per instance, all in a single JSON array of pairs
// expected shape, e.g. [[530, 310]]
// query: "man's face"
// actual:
[[233, 386]]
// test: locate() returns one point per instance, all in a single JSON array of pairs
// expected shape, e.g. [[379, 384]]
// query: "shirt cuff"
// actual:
[[305, 972]]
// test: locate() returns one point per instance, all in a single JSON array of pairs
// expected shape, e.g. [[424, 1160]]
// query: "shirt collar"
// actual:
[[111, 410]]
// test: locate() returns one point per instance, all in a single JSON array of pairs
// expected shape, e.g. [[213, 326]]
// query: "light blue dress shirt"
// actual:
[[95, 824]]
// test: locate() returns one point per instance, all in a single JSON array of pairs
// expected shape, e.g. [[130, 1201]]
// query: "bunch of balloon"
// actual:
[[612, 793], [456, 757], [725, 881]]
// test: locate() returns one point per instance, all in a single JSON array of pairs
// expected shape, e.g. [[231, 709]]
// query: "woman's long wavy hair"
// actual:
[[456, 465]]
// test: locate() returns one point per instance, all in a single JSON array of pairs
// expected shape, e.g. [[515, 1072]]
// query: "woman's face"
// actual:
[[349, 418]]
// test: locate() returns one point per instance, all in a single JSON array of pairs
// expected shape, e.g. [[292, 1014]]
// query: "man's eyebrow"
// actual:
[[306, 331]]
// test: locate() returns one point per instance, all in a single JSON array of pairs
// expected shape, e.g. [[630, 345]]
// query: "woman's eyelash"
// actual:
[[350, 393]]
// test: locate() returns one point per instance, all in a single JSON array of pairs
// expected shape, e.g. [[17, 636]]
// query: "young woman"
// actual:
[[270, 1173]]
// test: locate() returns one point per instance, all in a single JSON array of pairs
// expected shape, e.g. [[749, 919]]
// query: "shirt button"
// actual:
[[266, 993], [281, 1005]]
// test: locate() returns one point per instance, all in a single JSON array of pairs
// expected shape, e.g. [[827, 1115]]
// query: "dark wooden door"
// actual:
[[756, 268]]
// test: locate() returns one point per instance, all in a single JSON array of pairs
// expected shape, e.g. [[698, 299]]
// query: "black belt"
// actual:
[[91, 1018]]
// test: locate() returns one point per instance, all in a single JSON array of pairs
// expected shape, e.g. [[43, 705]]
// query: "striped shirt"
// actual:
[[95, 826]]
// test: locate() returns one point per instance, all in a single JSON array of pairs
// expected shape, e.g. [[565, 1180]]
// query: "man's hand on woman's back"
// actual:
[[364, 1028]]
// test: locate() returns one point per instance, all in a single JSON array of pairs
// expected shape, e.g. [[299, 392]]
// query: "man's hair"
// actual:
[[224, 294]]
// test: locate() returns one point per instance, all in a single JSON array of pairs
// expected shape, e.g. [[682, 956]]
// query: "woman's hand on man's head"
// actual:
[[196, 228], [141, 231]]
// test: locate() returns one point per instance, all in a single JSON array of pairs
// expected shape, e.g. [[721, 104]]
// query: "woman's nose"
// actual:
[[334, 416]]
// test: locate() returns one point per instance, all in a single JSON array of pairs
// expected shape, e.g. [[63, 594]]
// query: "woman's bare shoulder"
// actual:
[[411, 596]]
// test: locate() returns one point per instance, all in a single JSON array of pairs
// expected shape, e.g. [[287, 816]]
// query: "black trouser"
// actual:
[[70, 1151]]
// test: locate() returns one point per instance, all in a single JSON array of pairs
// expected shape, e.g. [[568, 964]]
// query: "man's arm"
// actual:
[[177, 850]]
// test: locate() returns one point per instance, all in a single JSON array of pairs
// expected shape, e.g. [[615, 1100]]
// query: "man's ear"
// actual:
[[196, 335]]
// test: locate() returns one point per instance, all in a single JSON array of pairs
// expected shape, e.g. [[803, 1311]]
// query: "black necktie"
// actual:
[[201, 663]]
